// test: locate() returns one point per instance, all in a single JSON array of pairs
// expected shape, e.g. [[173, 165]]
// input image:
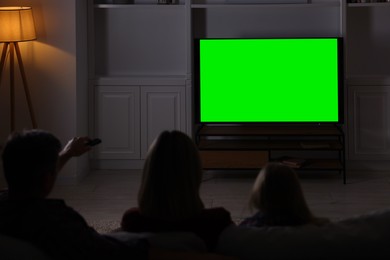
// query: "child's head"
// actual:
[[171, 178], [277, 191], [30, 161]]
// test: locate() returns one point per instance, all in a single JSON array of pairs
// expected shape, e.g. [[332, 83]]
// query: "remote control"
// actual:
[[94, 142]]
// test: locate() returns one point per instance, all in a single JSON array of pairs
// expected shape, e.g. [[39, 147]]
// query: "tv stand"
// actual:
[[248, 147]]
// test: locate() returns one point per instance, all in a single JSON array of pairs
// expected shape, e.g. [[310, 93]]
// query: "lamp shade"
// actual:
[[16, 24]]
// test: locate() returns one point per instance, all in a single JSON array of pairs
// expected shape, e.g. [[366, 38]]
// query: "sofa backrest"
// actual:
[[12, 249], [361, 237]]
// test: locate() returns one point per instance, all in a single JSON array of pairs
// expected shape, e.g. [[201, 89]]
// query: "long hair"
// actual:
[[277, 193], [171, 178]]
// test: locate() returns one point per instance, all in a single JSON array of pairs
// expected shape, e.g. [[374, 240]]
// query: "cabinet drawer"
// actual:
[[233, 159]]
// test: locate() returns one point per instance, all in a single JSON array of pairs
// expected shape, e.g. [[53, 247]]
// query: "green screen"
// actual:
[[268, 80]]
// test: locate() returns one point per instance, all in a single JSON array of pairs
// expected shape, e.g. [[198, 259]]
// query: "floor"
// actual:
[[103, 196]]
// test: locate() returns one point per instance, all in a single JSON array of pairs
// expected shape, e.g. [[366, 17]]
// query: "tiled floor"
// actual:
[[104, 195]]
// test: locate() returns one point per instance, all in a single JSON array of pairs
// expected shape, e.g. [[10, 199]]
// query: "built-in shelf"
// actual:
[[379, 4], [368, 79], [124, 6], [148, 47], [168, 80], [269, 144], [250, 147], [232, 5]]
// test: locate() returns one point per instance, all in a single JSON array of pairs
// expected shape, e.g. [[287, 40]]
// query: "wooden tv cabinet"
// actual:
[[252, 146]]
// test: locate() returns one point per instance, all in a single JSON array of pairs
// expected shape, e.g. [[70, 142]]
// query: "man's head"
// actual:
[[30, 162]]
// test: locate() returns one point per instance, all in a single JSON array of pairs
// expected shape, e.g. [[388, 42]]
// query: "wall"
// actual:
[[56, 74]]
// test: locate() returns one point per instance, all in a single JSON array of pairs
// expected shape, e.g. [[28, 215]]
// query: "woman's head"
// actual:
[[277, 192], [171, 178]]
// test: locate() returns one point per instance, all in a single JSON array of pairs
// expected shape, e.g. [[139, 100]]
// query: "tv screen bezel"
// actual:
[[196, 71]]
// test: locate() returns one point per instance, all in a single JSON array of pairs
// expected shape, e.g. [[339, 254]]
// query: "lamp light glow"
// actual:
[[17, 24]]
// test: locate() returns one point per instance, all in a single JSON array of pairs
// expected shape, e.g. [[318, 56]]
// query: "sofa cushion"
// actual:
[[16, 249], [361, 237], [180, 241]]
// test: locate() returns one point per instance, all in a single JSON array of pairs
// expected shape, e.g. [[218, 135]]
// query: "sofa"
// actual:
[[15, 249], [365, 236]]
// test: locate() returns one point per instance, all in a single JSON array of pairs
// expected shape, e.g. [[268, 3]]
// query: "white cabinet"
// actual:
[[162, 108], [367, 64], [129, 118], [140, 77], [369, 122], [118, 122]]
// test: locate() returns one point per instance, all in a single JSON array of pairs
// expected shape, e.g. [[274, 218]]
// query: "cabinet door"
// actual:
[[369, 122], [117, 122], [162, 108]]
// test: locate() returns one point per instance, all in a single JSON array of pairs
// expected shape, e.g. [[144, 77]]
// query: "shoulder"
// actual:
[[320, 221], [132, 212], [218, 211], [256, 220], [131, 219], [217, 214], [3, 195], [57, 205], [58, 212], [44, 206]]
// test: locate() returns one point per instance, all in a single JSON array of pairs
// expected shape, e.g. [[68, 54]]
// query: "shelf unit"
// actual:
[[373, 4], [235, 6], [124, 6], [367, 79], [138, 77], [147, 46], [250, 147]]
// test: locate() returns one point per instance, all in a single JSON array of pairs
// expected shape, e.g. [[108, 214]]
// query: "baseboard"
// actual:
[[117, 164], [380, 165]]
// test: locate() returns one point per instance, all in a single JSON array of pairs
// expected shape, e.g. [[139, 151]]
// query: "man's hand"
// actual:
[[75, 147]]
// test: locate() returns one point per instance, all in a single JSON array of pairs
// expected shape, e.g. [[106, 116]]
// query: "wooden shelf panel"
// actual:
[[233, 159], [378, 4], [271, 130], [251, 147], [138, 6], [269, 145], [225, 160], [322, 164], [263, 5]]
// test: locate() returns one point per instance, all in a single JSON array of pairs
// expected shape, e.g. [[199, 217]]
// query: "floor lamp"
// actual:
[[16, 25]]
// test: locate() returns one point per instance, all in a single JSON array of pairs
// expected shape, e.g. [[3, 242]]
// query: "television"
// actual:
[[268, 80]]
